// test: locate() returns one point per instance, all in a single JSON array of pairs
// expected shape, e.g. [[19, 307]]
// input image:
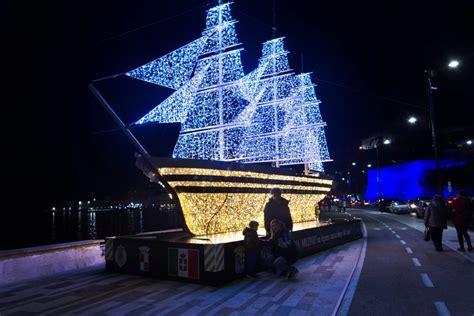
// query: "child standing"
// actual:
[[252, 247]]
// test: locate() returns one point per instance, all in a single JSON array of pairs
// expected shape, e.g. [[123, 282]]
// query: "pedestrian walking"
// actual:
[[344, 204], [436, 220], [461, 216], [277, 208]]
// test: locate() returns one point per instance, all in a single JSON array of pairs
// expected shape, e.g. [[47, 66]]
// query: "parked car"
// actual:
[[399, 207], [384, 204], [419, 207]]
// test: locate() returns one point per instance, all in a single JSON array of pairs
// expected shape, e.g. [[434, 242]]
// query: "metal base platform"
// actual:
[[211, 259]]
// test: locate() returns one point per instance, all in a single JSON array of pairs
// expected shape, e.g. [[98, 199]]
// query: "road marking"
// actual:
[[398, 236], [416, 262], [403, 228], [426, 280], [403, 242], [442, 309], [376, 228], [408, 250]]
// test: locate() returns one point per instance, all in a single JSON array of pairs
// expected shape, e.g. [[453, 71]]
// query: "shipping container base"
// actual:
[[212, 259]]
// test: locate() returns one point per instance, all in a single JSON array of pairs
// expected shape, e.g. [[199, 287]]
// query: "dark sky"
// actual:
[[367, 60]]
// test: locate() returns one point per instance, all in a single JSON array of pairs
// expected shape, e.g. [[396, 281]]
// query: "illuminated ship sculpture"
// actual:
[[232, 125], [269, 115]]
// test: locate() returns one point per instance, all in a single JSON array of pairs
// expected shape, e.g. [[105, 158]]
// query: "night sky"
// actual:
[[367, 59]]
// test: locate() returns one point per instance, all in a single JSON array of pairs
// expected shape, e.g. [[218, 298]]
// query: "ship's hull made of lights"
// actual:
[[224, 199]]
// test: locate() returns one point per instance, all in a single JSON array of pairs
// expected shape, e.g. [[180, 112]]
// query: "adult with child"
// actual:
[[461, 217], [283, 250], [277, 208], [252, 248], [436, 220]]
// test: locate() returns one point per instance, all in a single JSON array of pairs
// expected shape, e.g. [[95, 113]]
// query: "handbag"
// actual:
[[426, 234]]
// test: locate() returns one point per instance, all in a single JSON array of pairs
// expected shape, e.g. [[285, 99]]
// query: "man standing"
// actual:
[[277, 208], [461, 214]]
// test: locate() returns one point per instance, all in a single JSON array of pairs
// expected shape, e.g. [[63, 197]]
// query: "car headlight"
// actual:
[[412, 205]]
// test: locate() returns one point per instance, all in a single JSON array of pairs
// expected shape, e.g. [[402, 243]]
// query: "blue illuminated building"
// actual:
[[409, 180]]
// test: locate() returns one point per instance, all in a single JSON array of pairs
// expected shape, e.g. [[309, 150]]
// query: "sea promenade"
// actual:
[[391, 271]]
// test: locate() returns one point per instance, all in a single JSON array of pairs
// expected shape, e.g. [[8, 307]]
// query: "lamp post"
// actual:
[[379, 182], [429, 88]]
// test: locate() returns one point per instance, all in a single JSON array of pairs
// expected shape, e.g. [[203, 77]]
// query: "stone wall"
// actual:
[[30, 263]]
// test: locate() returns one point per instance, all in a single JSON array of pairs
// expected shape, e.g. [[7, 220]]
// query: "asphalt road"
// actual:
[[404, 275]]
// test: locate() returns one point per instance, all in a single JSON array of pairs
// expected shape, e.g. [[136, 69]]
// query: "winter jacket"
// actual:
[[436, 214], [462, 210], [289, 251], [277, 208], [252, 243]]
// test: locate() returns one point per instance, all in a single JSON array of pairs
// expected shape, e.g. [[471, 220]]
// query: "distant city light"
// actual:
[[360, 147], [386, 141], [353, 163], [53, 209], [469, 142], [363, 171], [343, 179], [412, 120], [453, 64], [369, 166]]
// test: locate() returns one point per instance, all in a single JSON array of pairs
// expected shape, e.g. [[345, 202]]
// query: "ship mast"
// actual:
[[221, 105], [275, 112]]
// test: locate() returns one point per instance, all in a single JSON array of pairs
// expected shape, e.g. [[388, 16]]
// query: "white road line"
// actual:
[[403, 242], [409, 250], [416, 262], [442, 309], [398, 236], [426, 280]]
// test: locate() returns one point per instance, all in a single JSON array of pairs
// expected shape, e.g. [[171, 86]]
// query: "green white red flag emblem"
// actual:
[[183, 263]]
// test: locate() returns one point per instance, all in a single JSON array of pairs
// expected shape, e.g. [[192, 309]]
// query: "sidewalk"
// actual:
[[450, 237], [317, 290]]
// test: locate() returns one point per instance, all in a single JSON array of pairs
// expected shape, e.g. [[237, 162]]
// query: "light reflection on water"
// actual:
[[65, 226]]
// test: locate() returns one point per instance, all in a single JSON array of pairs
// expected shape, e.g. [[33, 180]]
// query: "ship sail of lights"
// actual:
[[268, 115], [231, 122]]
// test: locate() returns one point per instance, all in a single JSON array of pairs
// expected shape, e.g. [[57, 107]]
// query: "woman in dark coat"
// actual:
[[436, 220], [283, 248]]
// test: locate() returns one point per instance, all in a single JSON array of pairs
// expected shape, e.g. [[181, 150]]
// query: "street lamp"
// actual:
[[369, 166], [453, 64], [430, 88], [412, 120], [353, 163], [469, 142], [379, 180]]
